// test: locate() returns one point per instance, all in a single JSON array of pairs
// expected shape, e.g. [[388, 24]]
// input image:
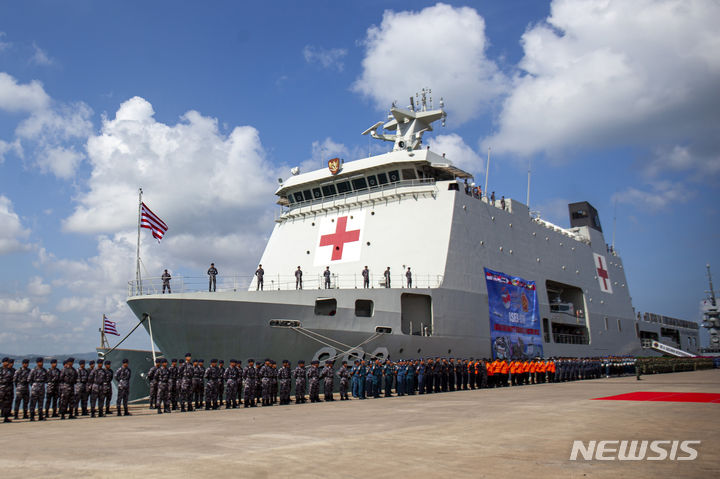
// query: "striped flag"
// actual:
[[152, 222], [109, 327]]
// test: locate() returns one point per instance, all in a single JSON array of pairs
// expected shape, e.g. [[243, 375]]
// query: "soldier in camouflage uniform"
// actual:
[[265, 373], [6, 389], [51, 393], [123, 375], [240, 382], [344, 375], [258, 382], [81, 389], [284, 376], [314, 378], [174, 384], [37, 380], [163, 396], [328, 376], [185, 374], [22, 390], [197, 383], [107, 386], [273, 381], [232, 376], [153, 382], [300, 382], [221, 381], [211, 386], [250, 377], [96, 378], [68, 378]]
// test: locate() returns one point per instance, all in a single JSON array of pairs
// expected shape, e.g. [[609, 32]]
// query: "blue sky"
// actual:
[[206, 104]]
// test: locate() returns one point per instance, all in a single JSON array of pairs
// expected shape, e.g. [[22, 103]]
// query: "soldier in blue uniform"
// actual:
[[284, 376], [328, 377], [366, 277], [68, 378], [389, 374], [409, 378], [37, 380], [326, 276], [81, 389], [300, 382], [420, 370], [386, 275], [22, 389], [249, 376], [96, 378], [377, 371], [107, 385], [174, 385], [186, 372], [400, 372], [314, 380], [370, 380], [360, 375], [6, 389], [265, 374], [123, 375], [273, 381], [211, 385], [198, 383], [408, 277], [353, 379], [153, 382], [221, 381], [231, 377], [298, 278], [344, 375], [212, 277], [51, 393], [260, 275], [163, 380]]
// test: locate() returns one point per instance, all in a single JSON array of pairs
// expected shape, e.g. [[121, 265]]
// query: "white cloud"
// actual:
[[440, 47], [36, 287], [612, 72], [15, 306], [677, 158], [21, 97], [13, 235], [7, 147], [3, 44], [458, 152], [327, 58], [40, 57], [658, 196]]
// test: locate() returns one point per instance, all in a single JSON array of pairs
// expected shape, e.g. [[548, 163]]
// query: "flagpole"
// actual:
[[487, 173], [138, 279]]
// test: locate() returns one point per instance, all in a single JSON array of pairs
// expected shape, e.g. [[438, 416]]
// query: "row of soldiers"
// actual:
[[66, 391]]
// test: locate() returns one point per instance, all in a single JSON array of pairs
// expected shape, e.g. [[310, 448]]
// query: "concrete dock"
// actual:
[[512, 432]]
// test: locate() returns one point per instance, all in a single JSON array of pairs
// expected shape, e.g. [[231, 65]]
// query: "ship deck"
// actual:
[[511, 432]]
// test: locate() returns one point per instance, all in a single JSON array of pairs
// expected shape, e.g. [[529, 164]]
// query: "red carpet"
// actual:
[[665, 396]]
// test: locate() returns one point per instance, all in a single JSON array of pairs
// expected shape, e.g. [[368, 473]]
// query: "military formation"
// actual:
[[189, 385]]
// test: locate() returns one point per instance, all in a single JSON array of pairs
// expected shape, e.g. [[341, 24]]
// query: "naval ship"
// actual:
[[488, 278]]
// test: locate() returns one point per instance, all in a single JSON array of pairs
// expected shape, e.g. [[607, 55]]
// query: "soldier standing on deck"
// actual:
[[298, 278], [300, 382], [284, 376], [166, 282], [95, 382], [22, 390], [81, 389], [211, 386], [250, 376], [212, 277], [344, 376], [328, 377], [314, 378], [6, 389], [259, 274], [153, 383], [185, 375], [123, 375], [163, 379], [37, 380], [408, 277], [366, 277], [231, 378], [386, 275], [51, 394], [107, 385], [174, 384], [326, 275], [68, 378]]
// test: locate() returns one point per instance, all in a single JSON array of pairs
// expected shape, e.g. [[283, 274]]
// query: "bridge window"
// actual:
[[408, 174], [307, 195], [382, 178], [364, 308], [343, 187], [329, 190], [298, 196], [359, 184], [316, 193], [372, 181], [394, 176], [325, 306], [290, 198]]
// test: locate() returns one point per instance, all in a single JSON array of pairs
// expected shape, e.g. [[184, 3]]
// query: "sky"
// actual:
[[206, 104]]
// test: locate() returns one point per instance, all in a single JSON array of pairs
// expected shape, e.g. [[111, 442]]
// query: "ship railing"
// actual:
[[388, 189], [570, 338], [558, 229], [188, 284]]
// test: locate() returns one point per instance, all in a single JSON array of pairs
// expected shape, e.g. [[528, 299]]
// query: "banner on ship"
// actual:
[[514, 316]]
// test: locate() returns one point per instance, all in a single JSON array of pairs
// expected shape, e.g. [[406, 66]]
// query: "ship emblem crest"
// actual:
[[334, 165]]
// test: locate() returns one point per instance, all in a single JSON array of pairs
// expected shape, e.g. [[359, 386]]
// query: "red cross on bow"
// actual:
[[338, 239], [602, 272]]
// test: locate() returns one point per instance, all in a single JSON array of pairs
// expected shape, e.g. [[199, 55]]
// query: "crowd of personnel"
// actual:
[[189, 385]]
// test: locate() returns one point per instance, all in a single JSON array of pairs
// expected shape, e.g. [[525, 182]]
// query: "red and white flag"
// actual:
[[151, 221], [109, 327]]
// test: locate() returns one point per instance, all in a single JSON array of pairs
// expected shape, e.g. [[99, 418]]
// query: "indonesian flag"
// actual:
[[109, 327], [152, 222]]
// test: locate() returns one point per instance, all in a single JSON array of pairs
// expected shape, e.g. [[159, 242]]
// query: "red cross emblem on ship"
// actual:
[[338, 239]]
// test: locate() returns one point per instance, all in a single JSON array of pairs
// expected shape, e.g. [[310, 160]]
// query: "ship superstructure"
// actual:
[[487, 278]]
